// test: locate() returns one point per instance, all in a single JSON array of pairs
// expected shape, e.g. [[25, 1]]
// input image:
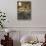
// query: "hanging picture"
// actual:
[[23, 10]]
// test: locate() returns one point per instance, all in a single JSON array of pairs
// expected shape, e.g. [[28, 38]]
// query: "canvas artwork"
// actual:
[[23, 10]]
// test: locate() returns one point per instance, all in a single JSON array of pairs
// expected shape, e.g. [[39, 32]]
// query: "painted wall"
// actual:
[[38, 22], [38, 14]]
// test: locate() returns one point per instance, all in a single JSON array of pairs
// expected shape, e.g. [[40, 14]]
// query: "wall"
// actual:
[[38, 22], [38, 14]]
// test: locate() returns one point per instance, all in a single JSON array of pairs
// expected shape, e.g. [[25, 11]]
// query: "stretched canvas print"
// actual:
[[23, 10]]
